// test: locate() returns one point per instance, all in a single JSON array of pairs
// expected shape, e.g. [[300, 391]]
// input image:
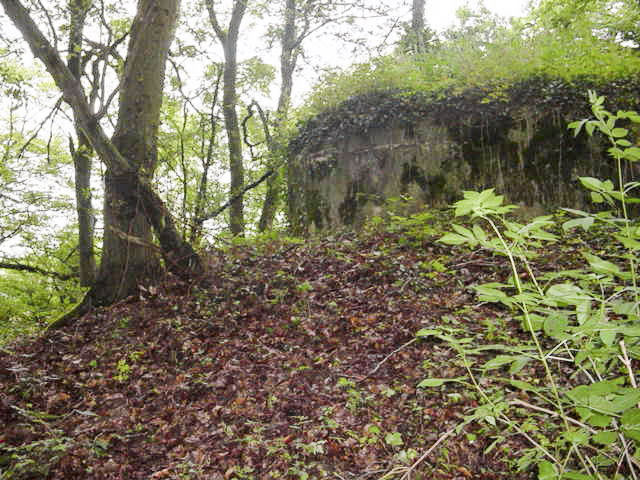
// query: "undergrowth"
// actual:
[[581, 414]]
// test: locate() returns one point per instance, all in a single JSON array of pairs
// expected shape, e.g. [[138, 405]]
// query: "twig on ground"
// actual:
[[389, 356], [407, 472]]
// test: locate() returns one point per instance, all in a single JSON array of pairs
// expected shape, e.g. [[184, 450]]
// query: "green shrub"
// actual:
[[583, 418]]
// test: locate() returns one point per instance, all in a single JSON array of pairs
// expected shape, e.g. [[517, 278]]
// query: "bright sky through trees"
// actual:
[[441, 14]]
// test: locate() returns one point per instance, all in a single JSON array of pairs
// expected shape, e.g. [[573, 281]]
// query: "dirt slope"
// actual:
[[297, 361]]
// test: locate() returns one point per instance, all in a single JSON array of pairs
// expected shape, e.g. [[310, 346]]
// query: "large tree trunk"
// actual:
[[229, 41], [126, 263], [128, 184], [82, 156]]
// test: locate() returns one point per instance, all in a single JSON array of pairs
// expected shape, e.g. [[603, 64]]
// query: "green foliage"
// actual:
[[400, 216], [34, 459], [29, 301], [613, 19], [584, 320], [483, 51]]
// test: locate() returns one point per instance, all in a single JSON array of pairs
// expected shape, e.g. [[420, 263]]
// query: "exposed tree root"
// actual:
[[81, 308]]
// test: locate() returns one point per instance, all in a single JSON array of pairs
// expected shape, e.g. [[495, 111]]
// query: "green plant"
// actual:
[[585, 321], [484, 52], [35, 459], [123, 369]]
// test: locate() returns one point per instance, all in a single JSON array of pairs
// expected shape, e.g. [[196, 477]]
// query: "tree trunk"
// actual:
[[417, 25], [82, 160], [127, 183], [126, 263], [229, 40], [207, 161], [288, 58], [82, 156]]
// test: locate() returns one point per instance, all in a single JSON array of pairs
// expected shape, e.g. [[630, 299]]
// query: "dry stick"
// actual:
[[586, 461], [627, 363], [389, 356], [624, 358], [522, 403], [426, 454], [235, 197]]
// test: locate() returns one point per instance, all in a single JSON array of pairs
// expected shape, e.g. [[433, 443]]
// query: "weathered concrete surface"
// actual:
[[345, 182], [346, 174]]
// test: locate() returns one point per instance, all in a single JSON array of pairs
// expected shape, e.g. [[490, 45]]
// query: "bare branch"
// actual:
[[227, 204], [26, 144], [67, 83]]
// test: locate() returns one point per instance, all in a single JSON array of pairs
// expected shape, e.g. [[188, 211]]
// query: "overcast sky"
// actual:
[[441, 14]]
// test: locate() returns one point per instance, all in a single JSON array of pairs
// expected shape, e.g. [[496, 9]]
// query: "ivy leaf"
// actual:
[[599, 265], [555, 326], [453, 239], [547, 471], [577, 126], [426, 332], [432, 382], [630, 421], [605, 438], [499, 361], [491, 292], [524, 386], [629, 243], [592, 183], [518, 364], [632, 154]]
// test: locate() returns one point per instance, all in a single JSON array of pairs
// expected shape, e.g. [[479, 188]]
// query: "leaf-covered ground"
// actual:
[[296, 361]]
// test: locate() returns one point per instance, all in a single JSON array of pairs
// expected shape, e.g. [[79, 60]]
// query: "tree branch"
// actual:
[[219, 210], [21, 267], [214, 22], [67, 83]]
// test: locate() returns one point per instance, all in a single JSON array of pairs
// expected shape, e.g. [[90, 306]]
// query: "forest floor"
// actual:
[[296, 361]]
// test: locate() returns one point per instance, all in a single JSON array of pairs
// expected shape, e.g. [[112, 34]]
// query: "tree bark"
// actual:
[[135, 137], [128, 183], [417, 25], [229, 41], [82, 156], [290, 49], [82, 160]]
